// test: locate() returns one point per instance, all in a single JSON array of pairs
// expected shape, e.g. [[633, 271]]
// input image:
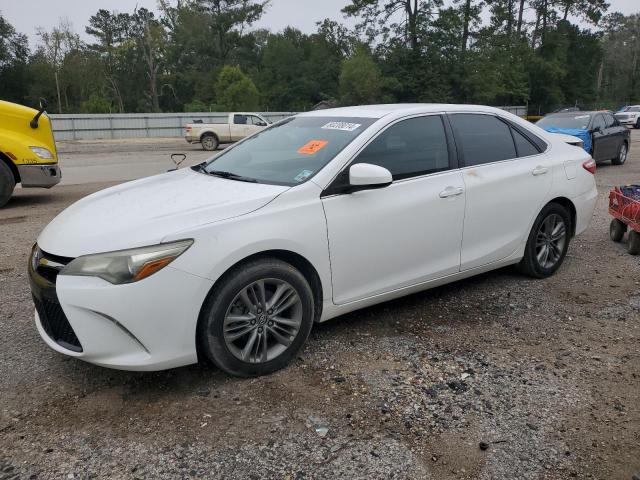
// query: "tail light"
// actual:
[[590, 166], [188, 129]]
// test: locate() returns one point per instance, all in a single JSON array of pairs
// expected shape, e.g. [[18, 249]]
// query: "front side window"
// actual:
[[482, 138], [289, 152], [412, 147], [598, 123], [253, 120], [609, 120]]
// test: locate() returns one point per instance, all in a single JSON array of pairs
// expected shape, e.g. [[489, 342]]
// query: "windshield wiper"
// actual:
[[232, 176]]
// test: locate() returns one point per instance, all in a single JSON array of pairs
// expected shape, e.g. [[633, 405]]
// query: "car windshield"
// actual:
[[632, 109], [579, 121], [289, 152]]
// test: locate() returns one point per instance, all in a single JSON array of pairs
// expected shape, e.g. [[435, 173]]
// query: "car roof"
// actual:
[[576, 113], [379, 111]]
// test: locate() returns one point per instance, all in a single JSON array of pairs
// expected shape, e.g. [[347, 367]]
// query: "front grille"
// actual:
[[55, 323], [49, 266]]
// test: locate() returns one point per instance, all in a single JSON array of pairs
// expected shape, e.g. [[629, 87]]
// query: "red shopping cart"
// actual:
[[624, 206]]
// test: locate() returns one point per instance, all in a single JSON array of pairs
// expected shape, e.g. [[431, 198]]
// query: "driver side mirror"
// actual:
[[365, 176]]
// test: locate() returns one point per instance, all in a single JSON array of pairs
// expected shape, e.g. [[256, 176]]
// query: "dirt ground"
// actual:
[[495, 377]]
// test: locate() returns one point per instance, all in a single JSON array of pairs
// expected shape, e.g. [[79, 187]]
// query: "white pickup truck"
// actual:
[[239, 125]]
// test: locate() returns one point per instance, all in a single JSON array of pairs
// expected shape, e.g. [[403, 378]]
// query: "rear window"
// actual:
[[578, 121]]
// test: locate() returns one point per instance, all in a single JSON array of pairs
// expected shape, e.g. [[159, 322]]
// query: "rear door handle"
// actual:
[[451, 192], [539, 170]]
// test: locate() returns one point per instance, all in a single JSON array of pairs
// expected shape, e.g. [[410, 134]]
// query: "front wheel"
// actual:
[[209, 143], [548, 242], [622, 155], [617, 229], [257, 319], [7, 184]]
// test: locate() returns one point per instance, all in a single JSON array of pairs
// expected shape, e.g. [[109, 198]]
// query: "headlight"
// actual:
[[127, 266], [42, 153]]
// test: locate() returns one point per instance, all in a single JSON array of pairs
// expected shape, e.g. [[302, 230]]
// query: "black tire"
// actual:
[[617, 229], [637, 123], [530, 265], [633, 247], [7, 184], [210, 332], [209, 142], [621, 157]]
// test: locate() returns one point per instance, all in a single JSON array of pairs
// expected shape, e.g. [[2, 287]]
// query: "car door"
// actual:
[[506, 178], [255, 124], [601, 142], [404, 234], [614, 134]]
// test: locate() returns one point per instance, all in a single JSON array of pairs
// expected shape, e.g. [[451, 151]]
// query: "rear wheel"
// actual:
[[633, 246], [7, 184], [257, 319], [617, 229], [622, 154], [548, 242], [209, 142]]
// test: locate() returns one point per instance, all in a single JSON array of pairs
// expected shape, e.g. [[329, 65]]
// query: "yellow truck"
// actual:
[[28, 152]]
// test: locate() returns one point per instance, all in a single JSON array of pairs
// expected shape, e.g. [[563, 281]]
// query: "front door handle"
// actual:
[[451, 192], [539, 170]]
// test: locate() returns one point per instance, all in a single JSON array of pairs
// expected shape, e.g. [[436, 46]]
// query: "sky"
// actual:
[[302, 14]]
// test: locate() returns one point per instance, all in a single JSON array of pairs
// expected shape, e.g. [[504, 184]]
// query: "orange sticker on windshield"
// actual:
[[313, 147]]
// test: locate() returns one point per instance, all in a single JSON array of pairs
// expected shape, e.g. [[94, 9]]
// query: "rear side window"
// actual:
[[240, 119], [524, 147], [482, 138], [409, 148]]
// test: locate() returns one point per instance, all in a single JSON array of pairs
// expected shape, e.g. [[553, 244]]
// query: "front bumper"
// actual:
[[147, 325], [45, 176]]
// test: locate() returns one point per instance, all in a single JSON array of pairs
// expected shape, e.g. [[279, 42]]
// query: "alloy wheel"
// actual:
[[550, 241], [622, 157], [263, 320]]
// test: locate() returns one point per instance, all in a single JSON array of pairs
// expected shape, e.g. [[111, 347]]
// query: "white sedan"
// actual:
[[318, 215]]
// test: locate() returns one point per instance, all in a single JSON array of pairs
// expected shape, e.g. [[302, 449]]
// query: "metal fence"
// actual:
[[135, 125], [151, 125]]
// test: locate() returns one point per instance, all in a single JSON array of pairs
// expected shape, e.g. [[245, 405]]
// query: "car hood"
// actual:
[[143, 212]]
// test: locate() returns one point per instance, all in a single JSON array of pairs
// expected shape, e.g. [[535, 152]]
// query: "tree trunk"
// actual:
[[510, 17], [520, 13], [567, 7], [465, 27], [545, 13], [534, 36], [55, 73], [412, 16]]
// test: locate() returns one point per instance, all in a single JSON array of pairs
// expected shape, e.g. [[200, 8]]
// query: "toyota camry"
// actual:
[[234, 260]]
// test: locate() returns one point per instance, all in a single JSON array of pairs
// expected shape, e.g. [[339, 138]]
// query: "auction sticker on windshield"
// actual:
[[344, 126], [313, 147]]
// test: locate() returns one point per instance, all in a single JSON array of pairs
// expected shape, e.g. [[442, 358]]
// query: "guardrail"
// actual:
[[135, 125], [70, 126]]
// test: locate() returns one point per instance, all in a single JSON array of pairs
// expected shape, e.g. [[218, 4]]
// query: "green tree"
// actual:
[[236, 91], [14, 80], [360, 80]]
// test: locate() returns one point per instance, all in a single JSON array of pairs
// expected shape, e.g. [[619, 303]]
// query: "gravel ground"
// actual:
[[495, 377]]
